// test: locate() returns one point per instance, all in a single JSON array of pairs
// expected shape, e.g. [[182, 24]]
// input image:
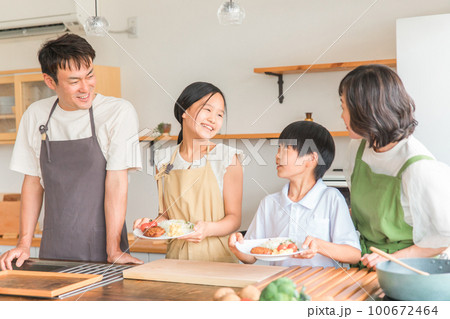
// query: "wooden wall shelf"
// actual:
[[324, 67], [233, 136]]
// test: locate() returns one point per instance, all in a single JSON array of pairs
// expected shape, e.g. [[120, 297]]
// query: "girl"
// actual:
[[399, 192], [199, 181]]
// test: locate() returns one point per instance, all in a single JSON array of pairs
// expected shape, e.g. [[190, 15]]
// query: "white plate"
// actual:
[[165, 224], [247, 246]]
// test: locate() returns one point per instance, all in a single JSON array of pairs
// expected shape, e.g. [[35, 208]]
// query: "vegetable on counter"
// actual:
[[249, 293], [282, 289]]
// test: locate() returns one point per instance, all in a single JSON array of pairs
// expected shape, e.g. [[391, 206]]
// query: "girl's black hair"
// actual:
[[191, 94], [307, 137], [380, 109]]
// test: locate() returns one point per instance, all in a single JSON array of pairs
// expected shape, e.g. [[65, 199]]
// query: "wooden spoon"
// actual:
[[401, 263]]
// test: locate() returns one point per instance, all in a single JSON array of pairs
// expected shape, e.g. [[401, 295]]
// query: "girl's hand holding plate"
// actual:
[[139, 222], [200, 233]]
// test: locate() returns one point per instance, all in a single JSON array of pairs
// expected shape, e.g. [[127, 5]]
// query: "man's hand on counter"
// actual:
[[21, 253], [120, 257]]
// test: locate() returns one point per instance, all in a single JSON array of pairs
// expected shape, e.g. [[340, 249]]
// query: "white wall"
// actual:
[[423, 51], [181, 42]]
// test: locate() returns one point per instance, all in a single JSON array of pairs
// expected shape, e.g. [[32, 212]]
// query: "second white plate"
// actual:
[[247, 246]]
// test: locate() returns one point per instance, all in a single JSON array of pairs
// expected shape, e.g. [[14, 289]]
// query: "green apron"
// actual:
[[376, 208]]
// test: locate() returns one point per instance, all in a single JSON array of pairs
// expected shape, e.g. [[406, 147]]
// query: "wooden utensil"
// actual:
[[392, 258]]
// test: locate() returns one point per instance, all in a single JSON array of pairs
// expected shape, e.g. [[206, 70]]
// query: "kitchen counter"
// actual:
[[333, 280], [138, 290], [126, 289]]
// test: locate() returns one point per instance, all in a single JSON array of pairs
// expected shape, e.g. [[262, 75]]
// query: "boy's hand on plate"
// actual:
[[310, 249], [236, 237]]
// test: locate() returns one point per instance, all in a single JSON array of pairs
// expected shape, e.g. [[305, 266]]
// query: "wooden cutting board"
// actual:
[[202, 272], [42, 284]]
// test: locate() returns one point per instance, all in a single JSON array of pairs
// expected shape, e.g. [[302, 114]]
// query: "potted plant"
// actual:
[[164, 128]]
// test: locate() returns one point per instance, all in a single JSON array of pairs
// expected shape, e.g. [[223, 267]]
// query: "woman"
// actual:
[[399, 195], [199, 181]]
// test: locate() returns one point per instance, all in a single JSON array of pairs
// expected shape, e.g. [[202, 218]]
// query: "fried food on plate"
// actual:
[[155, 231], [261, 251]]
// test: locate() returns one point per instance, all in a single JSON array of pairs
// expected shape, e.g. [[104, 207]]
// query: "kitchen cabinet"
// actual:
[[279, 71], [20, 88]]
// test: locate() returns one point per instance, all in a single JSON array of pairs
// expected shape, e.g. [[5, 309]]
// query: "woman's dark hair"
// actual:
[[381, 111], [191, 94], [308, 137], [61, 52]]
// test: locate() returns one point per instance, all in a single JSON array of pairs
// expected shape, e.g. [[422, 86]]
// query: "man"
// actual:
[[73, 148]]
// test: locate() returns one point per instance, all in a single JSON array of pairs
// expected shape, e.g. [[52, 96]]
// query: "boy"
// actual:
[[305, 210]]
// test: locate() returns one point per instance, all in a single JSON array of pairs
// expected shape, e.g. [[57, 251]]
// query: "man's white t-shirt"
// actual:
[[425, 188], [322, 213], [116, 127]]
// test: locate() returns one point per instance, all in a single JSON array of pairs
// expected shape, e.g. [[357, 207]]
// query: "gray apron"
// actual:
[[74, 173]]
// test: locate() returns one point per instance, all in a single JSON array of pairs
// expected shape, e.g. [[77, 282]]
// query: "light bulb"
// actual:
[[230, 13], [97, 26]]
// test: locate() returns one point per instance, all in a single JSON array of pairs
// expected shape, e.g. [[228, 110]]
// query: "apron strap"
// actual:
[[410, 161], [91, 116], [165, 169], [44, 128], [361, 149]]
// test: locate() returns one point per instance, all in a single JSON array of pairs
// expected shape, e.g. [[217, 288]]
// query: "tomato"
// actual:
[[148, 225], [293, 247], [246, 299], [282, 247]]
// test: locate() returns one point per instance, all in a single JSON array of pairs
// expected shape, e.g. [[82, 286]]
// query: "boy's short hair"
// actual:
[[59, 53], [307, 137]]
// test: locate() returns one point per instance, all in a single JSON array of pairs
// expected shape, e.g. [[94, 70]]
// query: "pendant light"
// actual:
[[95, 25], [230, 13]]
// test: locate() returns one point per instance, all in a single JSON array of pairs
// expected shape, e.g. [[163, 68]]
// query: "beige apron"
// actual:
[[193, 195]]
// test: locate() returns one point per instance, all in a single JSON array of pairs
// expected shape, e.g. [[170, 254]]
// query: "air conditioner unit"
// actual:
[[30, 17]]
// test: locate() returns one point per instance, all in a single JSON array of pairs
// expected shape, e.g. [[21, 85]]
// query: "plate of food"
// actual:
[[167, 229], [269, 249]]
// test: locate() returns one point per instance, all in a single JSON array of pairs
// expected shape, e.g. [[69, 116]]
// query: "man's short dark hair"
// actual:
[[308, 137], [60, 53]]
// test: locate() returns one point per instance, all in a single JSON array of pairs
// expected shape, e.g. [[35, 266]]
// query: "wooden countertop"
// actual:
[[139, 290], [321, 284], [136, 245], [146, 290]]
